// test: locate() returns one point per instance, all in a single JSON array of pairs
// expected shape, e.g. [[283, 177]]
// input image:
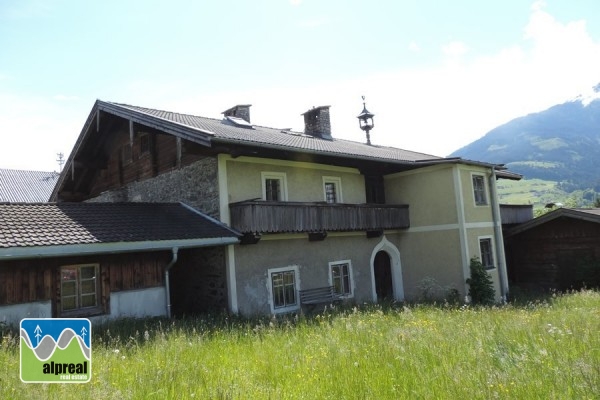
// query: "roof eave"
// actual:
[[172, 127], [16, 253], [310, 151], [559, 213]]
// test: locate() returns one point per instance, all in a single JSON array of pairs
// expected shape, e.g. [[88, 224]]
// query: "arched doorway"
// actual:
[[386, 272], [382, 269]]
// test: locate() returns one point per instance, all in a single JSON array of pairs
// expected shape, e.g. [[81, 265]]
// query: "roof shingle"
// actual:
[[59, 224], [26, 186], [222, 132]]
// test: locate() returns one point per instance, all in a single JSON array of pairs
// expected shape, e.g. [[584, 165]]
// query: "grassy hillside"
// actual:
[[548, 350], [541, 192]]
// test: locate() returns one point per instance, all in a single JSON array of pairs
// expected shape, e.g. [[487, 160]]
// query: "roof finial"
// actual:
[[365, 121]]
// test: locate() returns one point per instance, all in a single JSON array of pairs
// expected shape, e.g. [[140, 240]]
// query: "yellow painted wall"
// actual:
[[431, 254], [304, 180], [429, 192], [473, 212]]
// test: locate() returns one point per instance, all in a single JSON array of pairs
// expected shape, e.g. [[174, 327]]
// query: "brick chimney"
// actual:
[[240, 111], [317, 124]]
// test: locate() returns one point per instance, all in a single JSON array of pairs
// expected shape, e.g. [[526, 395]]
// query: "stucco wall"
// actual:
[[135, 304], [13, 314], [304, 181], [312, 258], [429, 192], [138, 303], [473, 212], [195, 185], [431, 254]]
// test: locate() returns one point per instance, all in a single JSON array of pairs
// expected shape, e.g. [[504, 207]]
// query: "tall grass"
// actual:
[[540, 350]]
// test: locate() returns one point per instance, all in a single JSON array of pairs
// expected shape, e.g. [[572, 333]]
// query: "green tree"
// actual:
[[481, 286]]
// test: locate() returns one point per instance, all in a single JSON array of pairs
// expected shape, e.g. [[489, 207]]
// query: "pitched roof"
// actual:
[[215, 130], [46, 229], [211, 132], [585, 214], [26, 186]]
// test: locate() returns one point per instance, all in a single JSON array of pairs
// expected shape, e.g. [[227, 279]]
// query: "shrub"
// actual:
[[481, 287]]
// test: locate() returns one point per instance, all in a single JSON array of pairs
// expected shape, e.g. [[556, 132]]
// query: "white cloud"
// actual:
[[295, 2], [414, 47], [455, 49], [434, 110]]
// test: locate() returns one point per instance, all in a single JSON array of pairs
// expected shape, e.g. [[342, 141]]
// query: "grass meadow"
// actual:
[[545, 349]]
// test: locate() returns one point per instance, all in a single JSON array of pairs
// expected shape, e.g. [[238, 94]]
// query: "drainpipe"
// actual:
[[173, 261], [499, 239]]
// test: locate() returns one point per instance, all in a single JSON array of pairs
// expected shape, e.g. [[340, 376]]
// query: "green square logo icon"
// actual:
[[56, 350]]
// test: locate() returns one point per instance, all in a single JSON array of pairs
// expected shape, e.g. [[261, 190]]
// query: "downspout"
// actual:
[[167, 288], [499, 239]]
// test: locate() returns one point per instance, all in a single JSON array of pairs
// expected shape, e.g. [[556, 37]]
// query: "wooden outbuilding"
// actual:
[[559, 250]]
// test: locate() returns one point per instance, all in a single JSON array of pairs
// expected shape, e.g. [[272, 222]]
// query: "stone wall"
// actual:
[[317, 122], [198, 282], [195, 185]]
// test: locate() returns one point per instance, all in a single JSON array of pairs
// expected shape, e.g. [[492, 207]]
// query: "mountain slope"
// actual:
[[560, 144]]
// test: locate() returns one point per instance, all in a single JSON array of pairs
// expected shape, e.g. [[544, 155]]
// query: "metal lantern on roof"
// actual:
[[365, 121]]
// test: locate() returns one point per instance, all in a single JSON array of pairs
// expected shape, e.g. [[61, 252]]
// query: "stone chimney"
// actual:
[[317, 124], [240, 111]]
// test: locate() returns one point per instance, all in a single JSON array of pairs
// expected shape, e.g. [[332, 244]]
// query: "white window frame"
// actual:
[[350, 277], [492, 251], [486, 195], [281, 176], [337, 181], [271, 300], [79, 310]]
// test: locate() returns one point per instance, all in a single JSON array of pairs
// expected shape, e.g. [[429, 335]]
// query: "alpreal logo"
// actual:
[[56, 350]]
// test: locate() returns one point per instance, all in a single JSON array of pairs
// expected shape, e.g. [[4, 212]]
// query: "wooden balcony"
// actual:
[[257, 216]]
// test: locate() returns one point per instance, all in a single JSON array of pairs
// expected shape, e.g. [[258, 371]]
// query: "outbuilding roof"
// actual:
[[26, 186], [585, 214], [57, 229]]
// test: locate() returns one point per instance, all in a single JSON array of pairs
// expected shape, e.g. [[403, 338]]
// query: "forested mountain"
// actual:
[[559, 144]]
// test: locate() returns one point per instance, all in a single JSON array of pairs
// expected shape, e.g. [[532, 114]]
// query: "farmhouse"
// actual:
[[314, 214]]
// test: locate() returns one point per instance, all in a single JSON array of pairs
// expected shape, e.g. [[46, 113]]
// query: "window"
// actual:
[[340, 277], [479, 190], [272, 189], [79, 288], [486, 252], [283, 289], [332, 189], [274, 186], [144, 144]]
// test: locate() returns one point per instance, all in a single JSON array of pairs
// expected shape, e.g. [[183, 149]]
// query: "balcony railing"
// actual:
[[258, 216]]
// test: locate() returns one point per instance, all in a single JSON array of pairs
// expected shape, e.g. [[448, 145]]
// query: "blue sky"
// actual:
[[436, 74]]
